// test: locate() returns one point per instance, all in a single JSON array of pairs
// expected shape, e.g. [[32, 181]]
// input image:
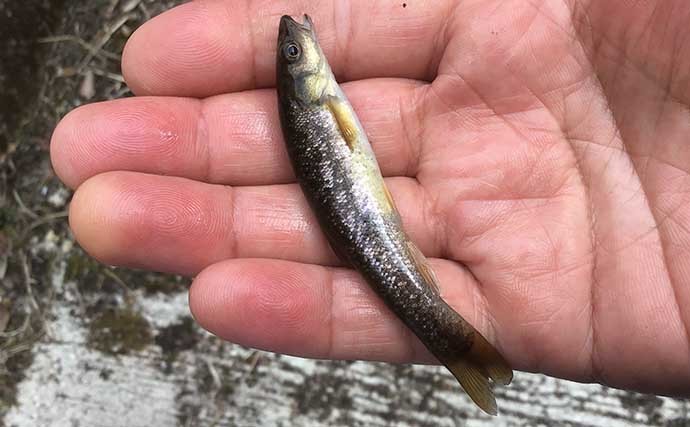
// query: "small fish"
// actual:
[[339, 175]]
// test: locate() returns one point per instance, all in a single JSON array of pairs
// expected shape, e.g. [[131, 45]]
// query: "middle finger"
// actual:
[[181, 226]]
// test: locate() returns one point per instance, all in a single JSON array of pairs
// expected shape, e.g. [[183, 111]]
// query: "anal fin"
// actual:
[[423, 265], [389, 198]]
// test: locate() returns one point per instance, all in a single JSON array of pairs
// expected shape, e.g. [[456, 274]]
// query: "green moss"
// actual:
[[163, 283], [178, 337], [81, 266], [175, 338], [8, 216], [90, 276], [16, 367], [13, 370], [119, 331]]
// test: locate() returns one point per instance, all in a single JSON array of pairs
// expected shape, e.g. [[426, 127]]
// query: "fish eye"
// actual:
[[291, 51]]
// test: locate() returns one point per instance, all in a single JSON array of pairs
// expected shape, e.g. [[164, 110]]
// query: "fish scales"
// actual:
[[367, 239], [338, 173]]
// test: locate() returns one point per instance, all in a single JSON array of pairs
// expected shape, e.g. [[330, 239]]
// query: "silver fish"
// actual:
[[338, 173]]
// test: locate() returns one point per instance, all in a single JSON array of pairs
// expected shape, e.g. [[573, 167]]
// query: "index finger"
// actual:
[[209, 47]]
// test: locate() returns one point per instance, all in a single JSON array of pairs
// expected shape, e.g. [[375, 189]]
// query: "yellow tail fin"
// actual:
[[475, 383], [490, 360], [474, 369]]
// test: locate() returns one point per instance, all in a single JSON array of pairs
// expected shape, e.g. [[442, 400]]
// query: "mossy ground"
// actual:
[[42, 75], [119, 331]]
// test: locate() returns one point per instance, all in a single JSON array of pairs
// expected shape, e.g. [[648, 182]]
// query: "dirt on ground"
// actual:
[[57, 55]]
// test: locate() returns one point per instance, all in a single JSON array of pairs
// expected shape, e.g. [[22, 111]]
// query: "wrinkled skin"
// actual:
[[538, 152]]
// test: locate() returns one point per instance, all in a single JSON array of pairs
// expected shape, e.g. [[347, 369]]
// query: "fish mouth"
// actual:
[[288, 26]]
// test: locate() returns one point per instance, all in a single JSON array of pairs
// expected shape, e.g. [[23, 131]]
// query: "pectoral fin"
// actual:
[[342, 113]]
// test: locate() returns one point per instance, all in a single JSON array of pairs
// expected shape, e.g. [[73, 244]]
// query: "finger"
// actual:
[[233, 139], [210, 47], [321, 312], [181, 226]]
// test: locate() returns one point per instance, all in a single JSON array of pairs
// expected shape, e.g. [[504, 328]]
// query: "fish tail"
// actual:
[[476, 369]]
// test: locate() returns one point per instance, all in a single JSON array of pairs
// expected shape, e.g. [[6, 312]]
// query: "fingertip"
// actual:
[[155, 222], [62, 152], [90, 221], [133, 60], [271, 305], [203, 297]]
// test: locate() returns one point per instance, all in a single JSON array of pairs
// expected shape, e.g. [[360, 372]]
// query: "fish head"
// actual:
[[302, 69]]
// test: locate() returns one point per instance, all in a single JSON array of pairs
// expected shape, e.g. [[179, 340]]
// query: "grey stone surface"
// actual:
[[212, 383]]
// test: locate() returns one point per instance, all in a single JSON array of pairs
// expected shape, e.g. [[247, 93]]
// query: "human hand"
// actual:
[[544, 169]]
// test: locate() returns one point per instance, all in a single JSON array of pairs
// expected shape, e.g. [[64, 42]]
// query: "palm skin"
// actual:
[[537, 152]]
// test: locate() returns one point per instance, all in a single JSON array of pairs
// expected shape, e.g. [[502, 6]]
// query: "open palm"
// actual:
[[538, 152]]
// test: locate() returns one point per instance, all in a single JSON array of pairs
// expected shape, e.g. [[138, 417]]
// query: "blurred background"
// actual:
[[82, 344]]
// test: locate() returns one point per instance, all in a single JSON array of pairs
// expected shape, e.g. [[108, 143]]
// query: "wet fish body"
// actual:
[[338, 173]]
